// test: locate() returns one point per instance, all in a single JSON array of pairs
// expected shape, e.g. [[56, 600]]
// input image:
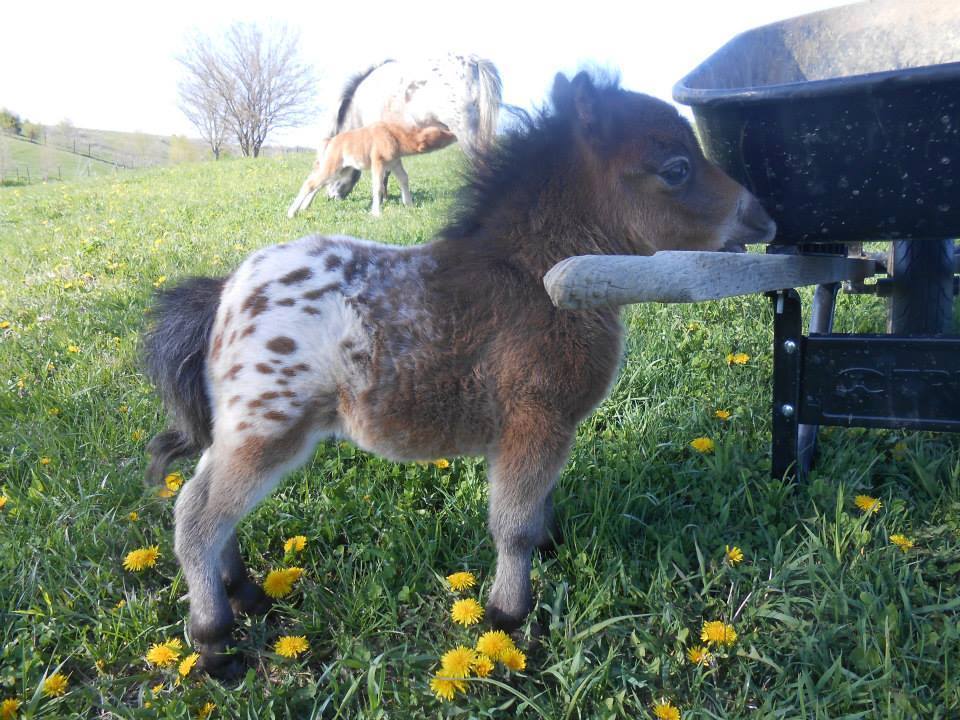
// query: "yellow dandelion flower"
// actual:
[[698, 655], [204, 712], [157, 689], [133, 516], [8, 708], [494, 643], [173, 481], [441, 463], [702, 444], [137, 560], [186, 665], [446, 688], [722, 414], [482, 665], [123, 409], [457, 663], [54, 411], [733, 554], [901, 541], [665, 711], [138, 435], [73, 349], [4, 325], [291, 646], [3, 501], [279, 583], [163, 654], [461, 581], [899, 450], [867, 504], [514, 659], [45, 461], [466, 612], [738, 359], [718, 632], [55, 685], [159, 281], [295, 544]]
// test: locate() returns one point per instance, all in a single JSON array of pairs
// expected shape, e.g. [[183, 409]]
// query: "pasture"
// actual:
[[832, 619]]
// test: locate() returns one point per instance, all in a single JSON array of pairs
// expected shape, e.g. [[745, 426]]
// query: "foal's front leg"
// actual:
[[522, 475]]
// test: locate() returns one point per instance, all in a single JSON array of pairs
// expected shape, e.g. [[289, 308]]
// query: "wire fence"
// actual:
[[16, 172]]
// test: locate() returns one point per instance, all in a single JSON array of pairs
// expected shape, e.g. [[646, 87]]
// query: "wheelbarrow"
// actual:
[[846, 125]]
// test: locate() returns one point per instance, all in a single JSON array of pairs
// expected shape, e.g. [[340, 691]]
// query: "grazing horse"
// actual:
[[437, 350], [458, 92], [377, 148]]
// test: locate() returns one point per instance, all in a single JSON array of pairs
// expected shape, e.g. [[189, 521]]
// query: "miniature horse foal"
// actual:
[[444, 349], [377, 148]]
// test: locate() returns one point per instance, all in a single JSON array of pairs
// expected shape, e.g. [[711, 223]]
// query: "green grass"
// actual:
[[833, 620]]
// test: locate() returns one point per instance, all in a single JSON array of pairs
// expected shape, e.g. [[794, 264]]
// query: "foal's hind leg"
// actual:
[[223, 490], [244, 594], [522, 476]]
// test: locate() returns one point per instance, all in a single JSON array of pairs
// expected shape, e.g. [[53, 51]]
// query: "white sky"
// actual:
[[111, 65]]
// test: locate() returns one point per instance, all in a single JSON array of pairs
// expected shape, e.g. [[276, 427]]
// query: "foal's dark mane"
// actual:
[[350, 89], [519, 165]]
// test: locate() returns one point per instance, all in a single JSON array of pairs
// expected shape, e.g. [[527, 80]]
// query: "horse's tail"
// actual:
[[175, 352], [488, 109], [346, 98]]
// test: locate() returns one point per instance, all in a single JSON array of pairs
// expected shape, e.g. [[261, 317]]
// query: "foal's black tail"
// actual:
[[175, 351]]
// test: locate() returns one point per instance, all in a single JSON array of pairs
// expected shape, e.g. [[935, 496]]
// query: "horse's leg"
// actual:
[[231, 478], [201, 530], [522, 475], [404, 181], [245, 596], [550, 535], [377, 178], [311, 186]]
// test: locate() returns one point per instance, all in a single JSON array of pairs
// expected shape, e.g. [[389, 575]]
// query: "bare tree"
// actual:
[[200, 100], [254, 82]]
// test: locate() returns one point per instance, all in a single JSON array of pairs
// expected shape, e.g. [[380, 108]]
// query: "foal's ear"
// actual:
[[581, 99], [562, 94], [585, 99]]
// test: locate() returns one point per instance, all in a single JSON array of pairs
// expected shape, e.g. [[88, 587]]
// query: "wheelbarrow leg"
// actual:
[[821, 322], [787, 340]]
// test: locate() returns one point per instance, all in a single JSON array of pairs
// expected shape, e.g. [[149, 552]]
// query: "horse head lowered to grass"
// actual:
[[444, 349]]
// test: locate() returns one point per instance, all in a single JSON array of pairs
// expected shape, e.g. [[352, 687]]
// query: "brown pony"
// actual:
[[376, 147], [450, 348]]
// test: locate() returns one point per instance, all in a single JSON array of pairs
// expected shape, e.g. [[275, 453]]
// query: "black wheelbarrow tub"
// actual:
[[844, 123]]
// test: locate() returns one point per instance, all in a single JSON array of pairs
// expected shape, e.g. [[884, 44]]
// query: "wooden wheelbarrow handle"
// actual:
[[591, 281]]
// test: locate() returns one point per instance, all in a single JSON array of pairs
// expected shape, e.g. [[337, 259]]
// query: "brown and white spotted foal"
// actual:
[[450, 348]]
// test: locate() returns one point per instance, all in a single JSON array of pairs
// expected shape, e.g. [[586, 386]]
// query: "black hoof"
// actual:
[[221, 666], [248, 598], [501, 620]]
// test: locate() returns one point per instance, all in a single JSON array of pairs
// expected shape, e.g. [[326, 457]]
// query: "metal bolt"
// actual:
[[790, 347], [787, 410]]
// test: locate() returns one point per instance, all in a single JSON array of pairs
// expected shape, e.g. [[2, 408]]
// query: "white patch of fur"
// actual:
[[319, 337]]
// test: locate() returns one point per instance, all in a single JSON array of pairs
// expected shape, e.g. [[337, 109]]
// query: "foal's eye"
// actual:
[[676, 171]]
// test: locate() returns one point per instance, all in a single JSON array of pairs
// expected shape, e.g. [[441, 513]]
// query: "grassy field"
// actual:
[[832, 619], [24, 162]]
